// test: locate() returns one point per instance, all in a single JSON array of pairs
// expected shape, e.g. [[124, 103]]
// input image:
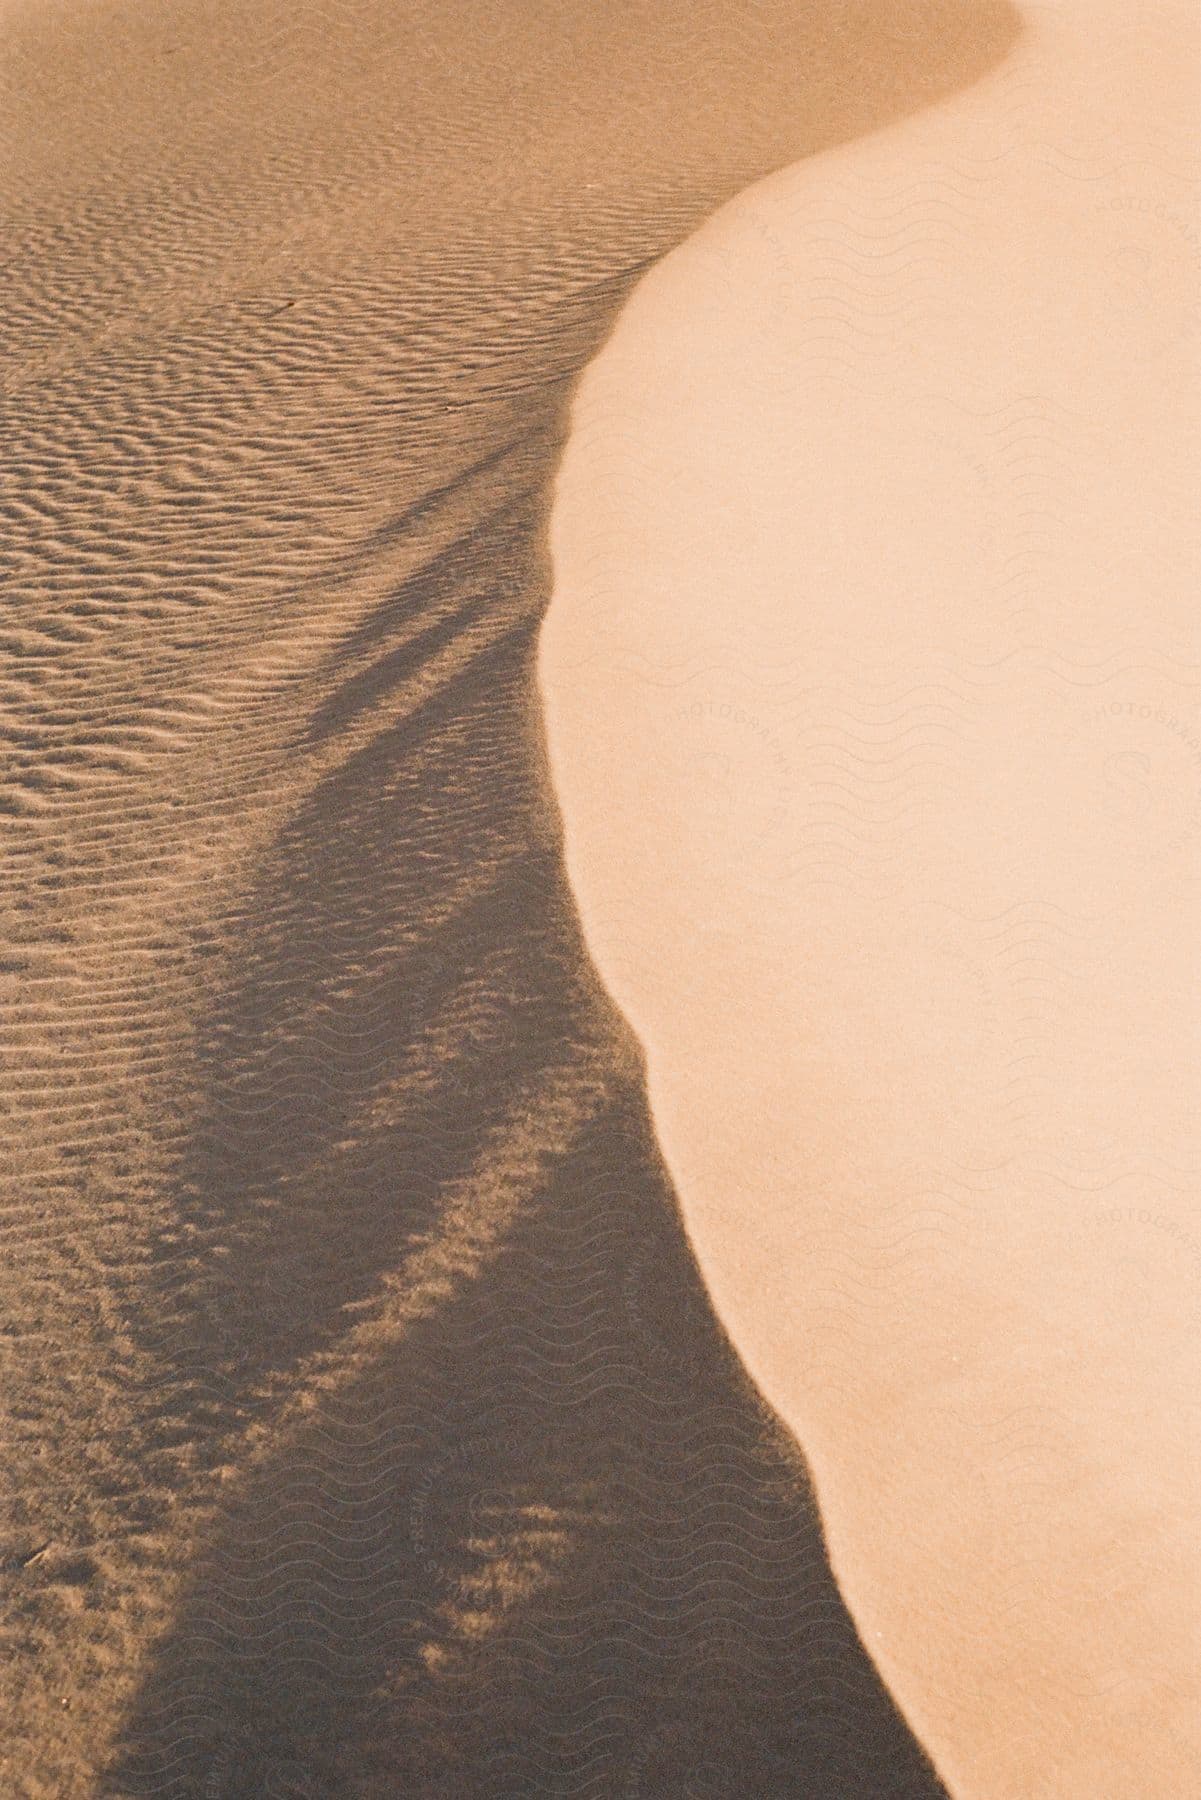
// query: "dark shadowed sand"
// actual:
[[367, 1430]]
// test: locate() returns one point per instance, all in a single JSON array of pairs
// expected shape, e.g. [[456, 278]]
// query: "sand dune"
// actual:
[[367, 1429], [871, 679]]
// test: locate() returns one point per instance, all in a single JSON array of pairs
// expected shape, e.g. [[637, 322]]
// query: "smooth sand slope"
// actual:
[[872, 674], [366, 1428]]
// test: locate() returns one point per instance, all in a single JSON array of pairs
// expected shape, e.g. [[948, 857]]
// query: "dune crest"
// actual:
[[367, 1425], [870, 679]]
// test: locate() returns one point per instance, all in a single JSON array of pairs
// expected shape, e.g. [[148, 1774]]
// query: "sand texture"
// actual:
[[366, 1427], [871, 678]]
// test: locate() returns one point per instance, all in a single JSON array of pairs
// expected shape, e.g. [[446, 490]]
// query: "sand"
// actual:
[[367, 1427], [871, 678]]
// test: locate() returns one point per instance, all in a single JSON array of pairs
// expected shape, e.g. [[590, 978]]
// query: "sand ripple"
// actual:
[[367, 1430]]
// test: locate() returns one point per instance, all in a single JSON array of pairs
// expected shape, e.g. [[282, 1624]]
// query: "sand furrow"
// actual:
[[367, 1427]]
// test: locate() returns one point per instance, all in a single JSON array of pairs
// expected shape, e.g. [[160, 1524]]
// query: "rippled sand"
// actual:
[[366, 1427], [871, 677]]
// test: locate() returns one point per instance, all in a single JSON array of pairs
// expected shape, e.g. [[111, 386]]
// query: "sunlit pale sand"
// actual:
[[367, 1430], [871, 679]]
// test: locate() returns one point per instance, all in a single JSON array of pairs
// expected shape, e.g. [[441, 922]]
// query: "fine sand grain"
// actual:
[[366, 1429], [871, 683]]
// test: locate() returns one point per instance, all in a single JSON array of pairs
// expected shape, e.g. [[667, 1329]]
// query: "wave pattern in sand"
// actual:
[[368, 1428]]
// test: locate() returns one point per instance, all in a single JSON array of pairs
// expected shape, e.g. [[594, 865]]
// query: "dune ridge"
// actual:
[[366, 1423], [871, 680]]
